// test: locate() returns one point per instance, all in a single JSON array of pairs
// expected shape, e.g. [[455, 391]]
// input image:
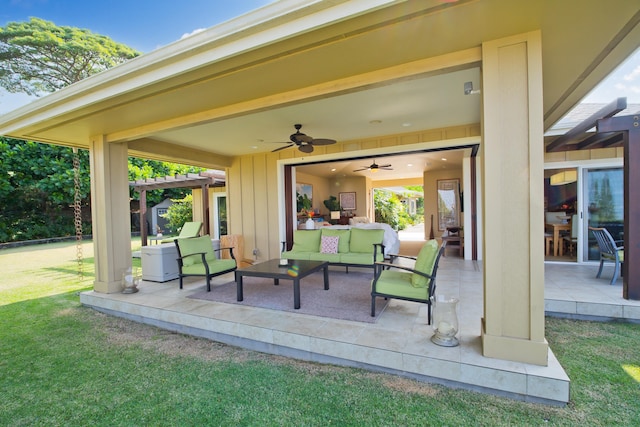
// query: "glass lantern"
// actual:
[[445, 321], [130, 280]]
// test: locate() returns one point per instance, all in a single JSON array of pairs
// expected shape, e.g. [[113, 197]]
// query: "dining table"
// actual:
[[556, 229]]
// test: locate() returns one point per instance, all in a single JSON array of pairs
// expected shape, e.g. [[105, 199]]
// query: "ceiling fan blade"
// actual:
[[362, 169], [282, 148], [323, 141], [306, 148], [386, 168], [300, 137]]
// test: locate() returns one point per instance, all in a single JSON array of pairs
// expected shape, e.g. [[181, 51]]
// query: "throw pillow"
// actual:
[[329, 244]]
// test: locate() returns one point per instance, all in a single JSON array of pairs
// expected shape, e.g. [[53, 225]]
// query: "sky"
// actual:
[[146, 25]]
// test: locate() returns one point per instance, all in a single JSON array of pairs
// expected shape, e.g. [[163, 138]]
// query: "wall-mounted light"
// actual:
[[562, 178], [468, 89]]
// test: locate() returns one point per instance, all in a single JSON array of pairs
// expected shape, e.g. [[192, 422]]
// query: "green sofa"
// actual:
[[348, 247]]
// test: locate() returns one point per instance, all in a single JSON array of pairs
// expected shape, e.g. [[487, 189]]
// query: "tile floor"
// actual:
[[399, 342]]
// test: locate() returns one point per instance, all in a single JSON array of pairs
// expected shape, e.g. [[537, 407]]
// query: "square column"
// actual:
[[513, 155], [110, 213]]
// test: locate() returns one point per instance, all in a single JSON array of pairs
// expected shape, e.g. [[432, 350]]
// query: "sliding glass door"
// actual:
[[604, 206]]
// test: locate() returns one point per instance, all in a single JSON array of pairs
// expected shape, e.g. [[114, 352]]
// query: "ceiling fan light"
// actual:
[[374, 170]]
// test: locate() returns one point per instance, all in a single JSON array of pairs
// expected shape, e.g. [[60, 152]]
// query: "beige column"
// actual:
[[110, 213], [513, 323]]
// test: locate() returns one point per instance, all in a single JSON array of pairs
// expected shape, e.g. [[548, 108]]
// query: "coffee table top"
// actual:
[[273, 268]]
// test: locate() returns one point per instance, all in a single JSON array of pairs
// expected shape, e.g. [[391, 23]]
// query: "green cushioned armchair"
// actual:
[[416, 284], [198, 258]]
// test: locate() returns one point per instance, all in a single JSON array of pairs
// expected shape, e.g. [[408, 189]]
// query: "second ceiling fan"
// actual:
[[304, 142], [374, 167]]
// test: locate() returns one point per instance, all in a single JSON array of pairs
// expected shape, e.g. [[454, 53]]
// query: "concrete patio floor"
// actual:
[[399, 342]]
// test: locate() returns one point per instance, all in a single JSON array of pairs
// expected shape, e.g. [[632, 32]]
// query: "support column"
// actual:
[[110, 213], [630, 125], [513, 323]]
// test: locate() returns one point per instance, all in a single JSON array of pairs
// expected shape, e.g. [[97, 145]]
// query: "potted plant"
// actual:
[[333, 205]]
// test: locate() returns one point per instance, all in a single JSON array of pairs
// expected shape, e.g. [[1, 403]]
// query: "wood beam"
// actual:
[[152, 149], [577, 133]]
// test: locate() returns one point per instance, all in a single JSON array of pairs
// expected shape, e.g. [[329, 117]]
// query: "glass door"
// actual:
[[604, 202], [220, 215], [562, 214]]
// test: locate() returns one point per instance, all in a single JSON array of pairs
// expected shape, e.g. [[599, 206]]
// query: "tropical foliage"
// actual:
[[37, 180], [390, 209], [38, 57]]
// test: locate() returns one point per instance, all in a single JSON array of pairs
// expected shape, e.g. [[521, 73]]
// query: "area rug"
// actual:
[[348, 297]]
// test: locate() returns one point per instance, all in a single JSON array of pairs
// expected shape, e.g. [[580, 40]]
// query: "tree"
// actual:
[[38, 57], [36, 180]]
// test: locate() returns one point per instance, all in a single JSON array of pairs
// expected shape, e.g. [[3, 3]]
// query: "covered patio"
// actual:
[[399, 342], [384, 76]]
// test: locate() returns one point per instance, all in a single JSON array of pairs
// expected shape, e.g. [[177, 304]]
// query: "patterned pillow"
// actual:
[[329, 244]]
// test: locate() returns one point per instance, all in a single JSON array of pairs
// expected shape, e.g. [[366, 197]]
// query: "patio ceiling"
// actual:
[[237, 88]]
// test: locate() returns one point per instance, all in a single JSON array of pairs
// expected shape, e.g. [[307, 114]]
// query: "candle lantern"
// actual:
[[130, 280], [445, 321]]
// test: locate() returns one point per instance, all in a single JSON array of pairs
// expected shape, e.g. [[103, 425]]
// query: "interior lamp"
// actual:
[[564, 177]]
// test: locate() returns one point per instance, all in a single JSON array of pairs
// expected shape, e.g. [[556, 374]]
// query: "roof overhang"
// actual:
[[236, 87]]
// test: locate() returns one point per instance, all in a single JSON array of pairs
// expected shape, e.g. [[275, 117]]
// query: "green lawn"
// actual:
[[64, 364]]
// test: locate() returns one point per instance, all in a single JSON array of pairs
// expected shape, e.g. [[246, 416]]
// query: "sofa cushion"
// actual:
[[297, 255], [362, 240], [345, 235], [358, 258], [424, 263], [306, 241], [318, 256], [329, 244]]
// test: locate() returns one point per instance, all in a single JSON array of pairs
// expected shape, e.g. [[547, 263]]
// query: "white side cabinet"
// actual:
[[159, 262]]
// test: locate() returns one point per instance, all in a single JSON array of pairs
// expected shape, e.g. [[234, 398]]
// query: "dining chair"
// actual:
[[572, 239]]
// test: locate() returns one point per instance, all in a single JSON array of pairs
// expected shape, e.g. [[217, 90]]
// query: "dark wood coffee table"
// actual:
[[294, 270]]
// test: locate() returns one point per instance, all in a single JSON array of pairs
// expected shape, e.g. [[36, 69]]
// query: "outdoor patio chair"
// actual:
[[196, 257], [189, 229], [609, 251], [417, 284]]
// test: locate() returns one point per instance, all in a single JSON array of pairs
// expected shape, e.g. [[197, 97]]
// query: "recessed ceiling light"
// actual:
[[409, 164], [333, 169], [255, 147], [444, 159], [407, 124]]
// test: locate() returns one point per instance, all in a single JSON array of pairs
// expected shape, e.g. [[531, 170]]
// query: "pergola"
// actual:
[[203, 180], [612, 131]]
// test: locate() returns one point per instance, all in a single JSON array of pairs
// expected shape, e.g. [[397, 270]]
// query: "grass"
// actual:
[[64, 364]]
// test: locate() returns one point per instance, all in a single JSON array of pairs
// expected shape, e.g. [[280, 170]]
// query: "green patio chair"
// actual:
[[417, 284], [188, 229], [196, 257]]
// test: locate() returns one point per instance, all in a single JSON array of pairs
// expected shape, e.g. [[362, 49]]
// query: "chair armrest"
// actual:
[[230, 251], [393, 256], [375, 252]]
